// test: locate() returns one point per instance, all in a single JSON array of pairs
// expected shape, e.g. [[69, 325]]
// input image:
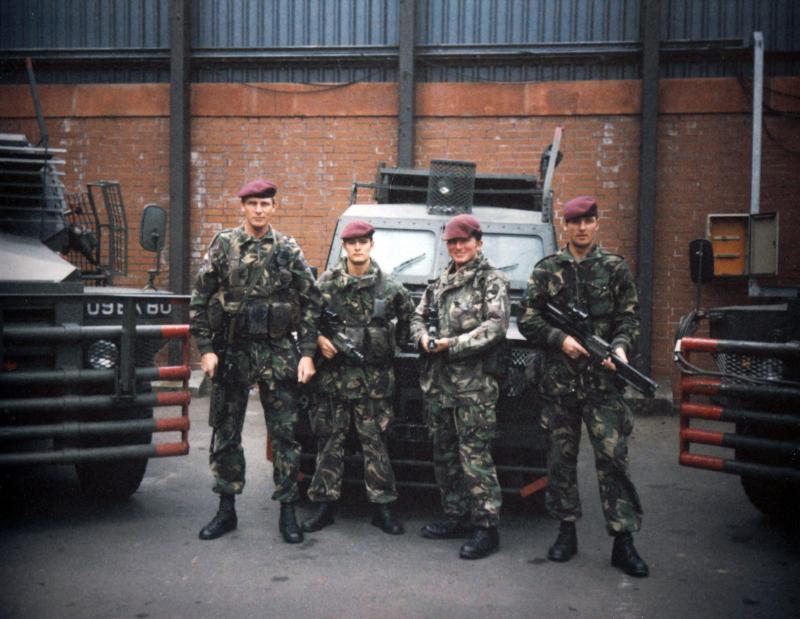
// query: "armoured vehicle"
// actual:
[[740, 408], [409, 209], [740, 396], [77, 353]]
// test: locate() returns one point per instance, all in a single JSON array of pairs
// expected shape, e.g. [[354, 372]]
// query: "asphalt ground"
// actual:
[[711, 554]]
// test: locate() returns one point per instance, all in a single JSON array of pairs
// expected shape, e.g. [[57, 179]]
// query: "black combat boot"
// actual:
[[566, 545], [450, 528], [625, 557], [484, 541], [287, 524], [225, 519], [321, 518], [386, 521]]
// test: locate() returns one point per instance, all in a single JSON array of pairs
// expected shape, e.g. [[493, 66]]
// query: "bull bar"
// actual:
[[19, 415], [739, 400]]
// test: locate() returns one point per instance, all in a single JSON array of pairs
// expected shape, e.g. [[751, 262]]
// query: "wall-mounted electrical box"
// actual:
[[743, 244]]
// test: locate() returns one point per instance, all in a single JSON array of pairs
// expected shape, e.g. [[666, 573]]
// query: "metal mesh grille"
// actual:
[[517, 383], [113, 224], [84, 233], [451, 186], [736, 366]]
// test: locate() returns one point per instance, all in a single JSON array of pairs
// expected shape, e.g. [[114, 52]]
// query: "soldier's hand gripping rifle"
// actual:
[[574, 322], [330, 325], [432, 320]]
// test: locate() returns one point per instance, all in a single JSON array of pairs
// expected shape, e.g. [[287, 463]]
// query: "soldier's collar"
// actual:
[[566, 254], [269, 235]]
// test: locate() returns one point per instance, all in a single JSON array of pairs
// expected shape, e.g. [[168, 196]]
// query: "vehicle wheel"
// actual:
[[775, 499], [115, 480]]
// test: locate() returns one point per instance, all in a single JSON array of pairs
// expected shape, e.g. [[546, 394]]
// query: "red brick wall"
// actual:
[[315, 144]]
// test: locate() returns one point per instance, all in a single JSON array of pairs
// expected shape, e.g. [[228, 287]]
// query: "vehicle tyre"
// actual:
[[115, 480], [778, 500]]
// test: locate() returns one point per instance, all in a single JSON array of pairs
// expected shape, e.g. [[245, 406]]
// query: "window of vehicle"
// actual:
[[514, 254], [405, 252]]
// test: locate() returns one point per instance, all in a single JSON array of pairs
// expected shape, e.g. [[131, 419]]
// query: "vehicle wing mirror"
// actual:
[[152, 231], [701, 261]]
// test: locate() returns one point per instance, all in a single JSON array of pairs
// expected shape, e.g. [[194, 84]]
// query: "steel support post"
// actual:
[[179, 155], [648, 174], [406, 80]]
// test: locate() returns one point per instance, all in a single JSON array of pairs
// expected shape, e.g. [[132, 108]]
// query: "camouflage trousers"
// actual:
[[609, 422], [280, 413], [331, 424], [462, 461]]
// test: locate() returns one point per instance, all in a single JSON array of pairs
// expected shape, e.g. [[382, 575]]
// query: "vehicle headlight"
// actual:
[[102, 355]]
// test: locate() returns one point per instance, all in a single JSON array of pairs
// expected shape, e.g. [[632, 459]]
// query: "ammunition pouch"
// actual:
[[280, 320], [379, 349], [497, 360], [256, 320], [260, 320]]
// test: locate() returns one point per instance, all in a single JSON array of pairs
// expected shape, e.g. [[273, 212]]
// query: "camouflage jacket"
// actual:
[[282, 297], [601, 284], [375, 311], [473, 314]]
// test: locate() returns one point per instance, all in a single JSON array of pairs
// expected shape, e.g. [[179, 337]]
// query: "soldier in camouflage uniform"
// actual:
[[366, 302], [460, 391], [574, 389], [253, 290]]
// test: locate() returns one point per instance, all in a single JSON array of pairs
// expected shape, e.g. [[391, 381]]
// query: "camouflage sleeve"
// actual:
[[533, 324], [492, 330], [404, 310], [207, 283], [310, 302], [418, 327], [625, 327]]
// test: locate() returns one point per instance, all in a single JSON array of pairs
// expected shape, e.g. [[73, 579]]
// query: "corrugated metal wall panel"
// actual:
[[471, 22], [355, 40], [294, 23], [76, 24]]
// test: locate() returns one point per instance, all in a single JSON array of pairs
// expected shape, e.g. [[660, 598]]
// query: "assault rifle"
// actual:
[[330, 325], [218, 400], [574, 322]]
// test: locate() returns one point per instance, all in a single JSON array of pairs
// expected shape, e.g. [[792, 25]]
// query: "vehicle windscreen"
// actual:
[[406, 252], [514, 254]]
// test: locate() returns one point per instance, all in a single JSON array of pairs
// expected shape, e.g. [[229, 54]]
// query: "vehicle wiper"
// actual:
[[509, 267], [408, 263]]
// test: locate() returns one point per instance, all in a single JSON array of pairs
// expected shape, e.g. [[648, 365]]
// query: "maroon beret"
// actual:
[[461, 227], [356, 229], [582, 206], [258, 188]]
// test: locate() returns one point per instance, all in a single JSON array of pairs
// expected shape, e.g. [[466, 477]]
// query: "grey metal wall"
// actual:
[[356, 40]]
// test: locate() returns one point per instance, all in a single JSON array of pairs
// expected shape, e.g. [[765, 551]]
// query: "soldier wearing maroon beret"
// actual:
[[257, 280], [460, 386], [374, 310], [575, 390], [357, 229]]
